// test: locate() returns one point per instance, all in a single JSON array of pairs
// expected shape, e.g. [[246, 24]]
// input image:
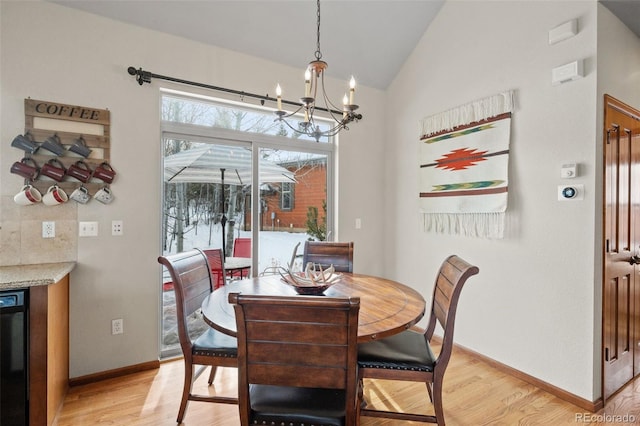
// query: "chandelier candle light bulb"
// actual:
[[307, 83], [352, 90], [345, 102], [279, 96]]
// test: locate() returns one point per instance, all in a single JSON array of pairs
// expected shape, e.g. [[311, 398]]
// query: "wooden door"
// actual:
[[621, 293]]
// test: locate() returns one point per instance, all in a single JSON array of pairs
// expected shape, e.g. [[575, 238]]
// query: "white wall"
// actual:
[[58, 54], [532, 305]]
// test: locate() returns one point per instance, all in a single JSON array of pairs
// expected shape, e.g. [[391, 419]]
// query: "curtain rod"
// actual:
[[146, 76]]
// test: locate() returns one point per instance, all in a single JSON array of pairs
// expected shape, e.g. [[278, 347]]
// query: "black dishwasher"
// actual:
[[14, 360]]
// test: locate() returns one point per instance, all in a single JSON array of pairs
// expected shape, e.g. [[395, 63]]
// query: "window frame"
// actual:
[[290, 193], [256, 141]]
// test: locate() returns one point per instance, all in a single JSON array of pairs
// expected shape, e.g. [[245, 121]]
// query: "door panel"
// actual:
[[621, 328]]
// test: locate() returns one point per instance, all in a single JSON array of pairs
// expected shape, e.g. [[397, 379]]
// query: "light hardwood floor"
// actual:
[[474, 394]]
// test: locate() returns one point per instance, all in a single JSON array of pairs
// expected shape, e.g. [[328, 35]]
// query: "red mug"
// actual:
[[54, 172], [80, 170], [104, 172], [25, 170]]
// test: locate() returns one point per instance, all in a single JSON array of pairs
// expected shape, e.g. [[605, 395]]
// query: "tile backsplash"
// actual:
[[21, 239]]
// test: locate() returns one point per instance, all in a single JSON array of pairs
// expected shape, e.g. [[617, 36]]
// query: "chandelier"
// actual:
[[314, 89]]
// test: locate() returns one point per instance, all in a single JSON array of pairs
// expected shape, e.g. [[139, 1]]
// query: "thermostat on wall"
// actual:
[[570, 192]]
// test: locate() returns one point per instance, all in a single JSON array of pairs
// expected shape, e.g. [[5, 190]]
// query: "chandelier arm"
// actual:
[[291, 114], [290, 126]]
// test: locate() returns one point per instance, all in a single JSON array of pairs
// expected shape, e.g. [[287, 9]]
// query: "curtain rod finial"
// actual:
[[142, 76]]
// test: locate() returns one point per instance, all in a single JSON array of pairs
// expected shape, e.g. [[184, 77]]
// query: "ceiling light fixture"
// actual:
[[314, 88]]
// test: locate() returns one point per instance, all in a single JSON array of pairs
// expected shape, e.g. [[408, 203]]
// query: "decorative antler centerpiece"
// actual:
[[314, 279]]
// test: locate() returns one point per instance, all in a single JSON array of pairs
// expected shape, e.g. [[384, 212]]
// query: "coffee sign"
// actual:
[[65, 112]]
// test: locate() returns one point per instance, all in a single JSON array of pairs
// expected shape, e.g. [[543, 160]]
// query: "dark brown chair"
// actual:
[[408, 356], [297, 360], [327, 253], [192, 281]]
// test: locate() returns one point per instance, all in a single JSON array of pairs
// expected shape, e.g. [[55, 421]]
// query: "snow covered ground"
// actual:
[[276, 247]]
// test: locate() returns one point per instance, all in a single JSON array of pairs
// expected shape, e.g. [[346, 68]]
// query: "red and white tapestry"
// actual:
[[464, 158]]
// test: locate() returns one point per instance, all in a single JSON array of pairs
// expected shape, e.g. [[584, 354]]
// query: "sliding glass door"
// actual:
[[222, 187]]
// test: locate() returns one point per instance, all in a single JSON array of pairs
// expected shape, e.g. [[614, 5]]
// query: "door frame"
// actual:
[[634, 233]]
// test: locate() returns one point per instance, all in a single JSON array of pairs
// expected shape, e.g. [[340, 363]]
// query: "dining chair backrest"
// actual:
[[326, 253], [452, 275], [242, 247], [216, 264], [298, 342], [192, 282]]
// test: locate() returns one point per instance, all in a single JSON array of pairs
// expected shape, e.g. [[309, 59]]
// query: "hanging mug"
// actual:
[[54, 196], [104, 172], [25, 143], [27, 195], [54, 172], [80, 147], [104, 195], [81, 195], [25, 170], [80, 170], [53, 144]]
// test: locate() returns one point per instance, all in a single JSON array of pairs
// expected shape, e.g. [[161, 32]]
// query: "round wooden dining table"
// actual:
[[386, 307]]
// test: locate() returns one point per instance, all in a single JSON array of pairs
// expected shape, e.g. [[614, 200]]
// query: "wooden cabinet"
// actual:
[[49, 350]]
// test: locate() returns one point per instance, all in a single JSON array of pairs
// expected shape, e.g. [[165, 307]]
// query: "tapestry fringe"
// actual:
[[465, 114], [480, 225]]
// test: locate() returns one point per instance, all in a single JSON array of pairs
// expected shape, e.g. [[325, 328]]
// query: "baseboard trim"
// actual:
[[111, 374], [585, 404]]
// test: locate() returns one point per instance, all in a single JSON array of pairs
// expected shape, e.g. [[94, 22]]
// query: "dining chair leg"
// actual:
[[359, 400], [437, 401], [186, 390], [430, 390], [212, 375]]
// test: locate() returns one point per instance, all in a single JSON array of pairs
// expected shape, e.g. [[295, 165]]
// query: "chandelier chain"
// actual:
[[318, 52]]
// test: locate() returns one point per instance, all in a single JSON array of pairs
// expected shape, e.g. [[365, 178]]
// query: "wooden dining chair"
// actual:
[[216, 265], [326, 253], [408, 356], [192, 282], [297, 360]]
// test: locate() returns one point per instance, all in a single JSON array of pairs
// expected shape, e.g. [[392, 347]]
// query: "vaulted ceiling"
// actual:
[[369, 39]]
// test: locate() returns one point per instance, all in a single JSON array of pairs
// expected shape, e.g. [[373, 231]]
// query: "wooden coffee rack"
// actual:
[[63, 114]]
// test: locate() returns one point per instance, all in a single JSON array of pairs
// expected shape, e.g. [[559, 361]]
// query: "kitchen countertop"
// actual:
[[23, 276]]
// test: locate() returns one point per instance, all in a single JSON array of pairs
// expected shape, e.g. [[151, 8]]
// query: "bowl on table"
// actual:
[[313, 281]]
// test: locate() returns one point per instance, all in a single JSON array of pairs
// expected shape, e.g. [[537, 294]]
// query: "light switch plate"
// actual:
[[88, 229]]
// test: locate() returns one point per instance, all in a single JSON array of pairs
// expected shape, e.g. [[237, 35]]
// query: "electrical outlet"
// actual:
[[117, 228], [117, 326], [48, 229]]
